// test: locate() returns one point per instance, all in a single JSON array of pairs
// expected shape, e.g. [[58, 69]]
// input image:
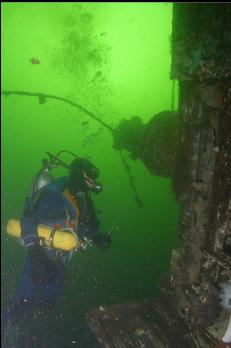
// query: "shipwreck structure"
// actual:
[[188, 312]]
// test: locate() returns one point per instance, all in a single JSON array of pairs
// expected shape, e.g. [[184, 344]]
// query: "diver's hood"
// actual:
[[79, 169]]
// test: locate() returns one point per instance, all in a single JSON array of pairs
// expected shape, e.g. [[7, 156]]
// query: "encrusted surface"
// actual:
[[201, 41]]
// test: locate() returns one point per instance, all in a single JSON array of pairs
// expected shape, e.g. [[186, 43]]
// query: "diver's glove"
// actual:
[[103, 241], [41, 266]]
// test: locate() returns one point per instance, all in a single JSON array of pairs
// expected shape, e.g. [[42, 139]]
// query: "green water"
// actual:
[[114, 59]]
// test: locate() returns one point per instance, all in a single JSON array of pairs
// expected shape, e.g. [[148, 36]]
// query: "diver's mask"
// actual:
[[92, 184]]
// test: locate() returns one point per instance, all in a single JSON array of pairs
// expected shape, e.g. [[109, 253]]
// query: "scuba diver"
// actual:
[[64, 203]]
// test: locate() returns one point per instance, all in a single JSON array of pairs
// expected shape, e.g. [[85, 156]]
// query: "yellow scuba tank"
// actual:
[[58, 239]]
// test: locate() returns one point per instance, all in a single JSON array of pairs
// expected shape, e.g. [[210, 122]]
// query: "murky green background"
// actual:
[[113, 59]]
